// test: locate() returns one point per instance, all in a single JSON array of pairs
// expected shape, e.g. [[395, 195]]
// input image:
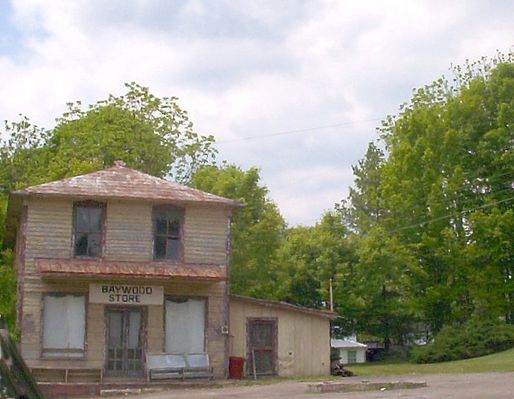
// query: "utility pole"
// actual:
[[331, 295]]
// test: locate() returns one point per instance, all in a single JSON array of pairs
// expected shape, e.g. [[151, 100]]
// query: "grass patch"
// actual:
[[502, 362]]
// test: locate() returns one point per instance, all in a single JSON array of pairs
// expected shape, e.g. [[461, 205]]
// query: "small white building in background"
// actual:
[[347, 351]]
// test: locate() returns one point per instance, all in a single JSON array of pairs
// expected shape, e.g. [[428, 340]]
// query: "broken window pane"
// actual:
[[81, 244], [82, 221], [173, 227], [94, 244], [172, 248], [160, 224], [160, 247], [95, 219]]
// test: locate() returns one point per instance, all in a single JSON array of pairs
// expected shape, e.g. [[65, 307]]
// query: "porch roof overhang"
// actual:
[[152, 270]]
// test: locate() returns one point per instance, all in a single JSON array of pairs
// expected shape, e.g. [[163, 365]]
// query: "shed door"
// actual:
[[262, 346]]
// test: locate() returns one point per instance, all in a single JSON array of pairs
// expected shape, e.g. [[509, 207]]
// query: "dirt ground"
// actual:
[[455, 386]]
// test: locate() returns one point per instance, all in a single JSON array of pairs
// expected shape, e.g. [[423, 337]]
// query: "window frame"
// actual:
[[89, 204], [50, 353], [354, 356], [158, 208]]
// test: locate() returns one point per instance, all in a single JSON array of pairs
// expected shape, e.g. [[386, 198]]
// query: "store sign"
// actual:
[[122, 294]]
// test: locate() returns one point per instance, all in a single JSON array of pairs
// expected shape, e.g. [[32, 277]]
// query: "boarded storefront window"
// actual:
[[185, 325], [64, 325]]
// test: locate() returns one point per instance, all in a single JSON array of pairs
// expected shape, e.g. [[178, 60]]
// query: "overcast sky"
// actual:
[[248, 72]]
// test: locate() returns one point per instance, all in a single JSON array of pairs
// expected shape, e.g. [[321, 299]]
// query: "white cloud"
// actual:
[[252, 68]]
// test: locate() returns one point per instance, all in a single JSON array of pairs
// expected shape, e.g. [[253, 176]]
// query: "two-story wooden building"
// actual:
[[116, 264]]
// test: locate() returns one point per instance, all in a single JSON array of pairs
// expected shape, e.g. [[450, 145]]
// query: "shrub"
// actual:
[[474, 338]]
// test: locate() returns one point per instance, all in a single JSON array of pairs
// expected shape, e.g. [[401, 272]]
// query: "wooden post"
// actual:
[[253, 365], [331, 296]]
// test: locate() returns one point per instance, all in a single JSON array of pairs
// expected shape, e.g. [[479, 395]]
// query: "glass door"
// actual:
[[124, 342]]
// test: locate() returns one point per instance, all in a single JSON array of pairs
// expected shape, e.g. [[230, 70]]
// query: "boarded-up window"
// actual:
[[185, 325], [87, 228], [64, 325], [167, 227]]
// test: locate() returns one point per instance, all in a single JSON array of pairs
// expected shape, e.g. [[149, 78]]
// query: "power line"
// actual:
[[296, 131], [461, 196], [451, 215]]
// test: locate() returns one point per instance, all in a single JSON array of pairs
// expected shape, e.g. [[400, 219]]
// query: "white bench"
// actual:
[[160, 366]]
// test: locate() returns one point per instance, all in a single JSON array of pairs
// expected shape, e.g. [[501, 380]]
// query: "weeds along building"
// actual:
[[116, 264]]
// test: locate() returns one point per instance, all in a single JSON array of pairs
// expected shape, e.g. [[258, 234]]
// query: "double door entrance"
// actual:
[[124, 342]]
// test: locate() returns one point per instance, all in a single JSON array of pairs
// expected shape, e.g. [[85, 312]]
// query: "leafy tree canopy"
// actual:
[[431, 213], [257, 229], [149, 133]]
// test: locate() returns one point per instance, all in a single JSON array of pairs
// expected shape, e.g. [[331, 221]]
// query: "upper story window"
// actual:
[[88, 228], [167, 231]]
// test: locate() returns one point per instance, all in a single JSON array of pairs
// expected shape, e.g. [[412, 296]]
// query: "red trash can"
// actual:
[[236, 367]]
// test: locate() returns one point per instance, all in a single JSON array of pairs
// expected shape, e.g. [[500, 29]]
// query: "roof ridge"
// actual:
[[120, 181]]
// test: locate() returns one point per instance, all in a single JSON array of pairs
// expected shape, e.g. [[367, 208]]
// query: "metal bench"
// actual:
[[67, 374], [160, 366]]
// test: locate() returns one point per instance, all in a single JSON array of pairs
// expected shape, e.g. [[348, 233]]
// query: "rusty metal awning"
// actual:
[[86, 268]]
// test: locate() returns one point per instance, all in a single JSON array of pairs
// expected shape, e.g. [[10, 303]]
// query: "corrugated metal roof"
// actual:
[[120, 182], [284, 305], [344, 343], [70, 268]]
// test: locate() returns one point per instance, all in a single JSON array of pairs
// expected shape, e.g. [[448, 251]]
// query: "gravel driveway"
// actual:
[[465, 386]]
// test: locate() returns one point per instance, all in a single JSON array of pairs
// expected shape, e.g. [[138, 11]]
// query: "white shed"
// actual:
[[347, 351]]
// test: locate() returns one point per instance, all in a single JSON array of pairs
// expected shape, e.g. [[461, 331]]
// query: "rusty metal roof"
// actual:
[[80, 268], [270, 303], [121, 182]]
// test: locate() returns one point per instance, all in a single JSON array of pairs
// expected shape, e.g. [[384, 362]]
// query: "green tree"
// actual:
[[432, 221], [8, 289], [257, 229], [451, 154], [384, 272], [366, 207], [149, 133]]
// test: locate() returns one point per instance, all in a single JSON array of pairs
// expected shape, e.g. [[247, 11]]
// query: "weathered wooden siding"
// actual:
[[303, 340], [128, 231], [205, 235], [48, 235]]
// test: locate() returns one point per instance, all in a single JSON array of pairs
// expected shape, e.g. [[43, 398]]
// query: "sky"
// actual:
[[295, 88]]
